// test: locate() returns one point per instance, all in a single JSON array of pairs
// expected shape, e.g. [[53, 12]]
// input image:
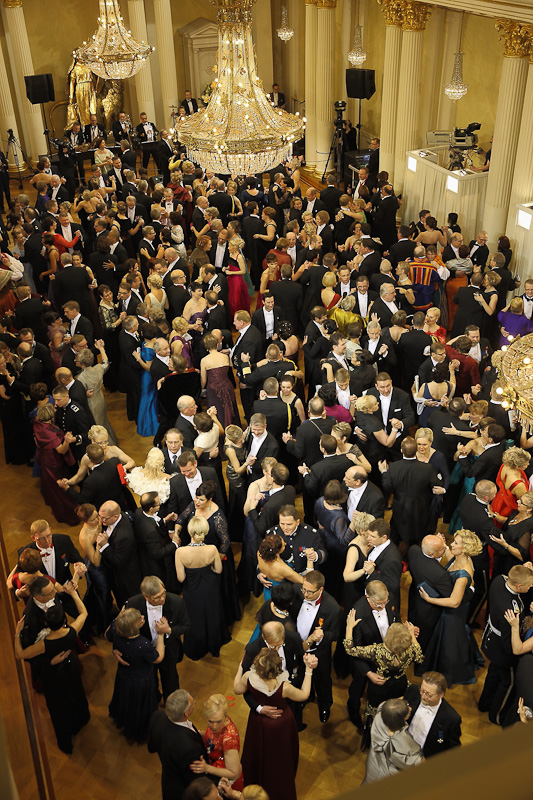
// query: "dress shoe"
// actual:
[[324, 714]]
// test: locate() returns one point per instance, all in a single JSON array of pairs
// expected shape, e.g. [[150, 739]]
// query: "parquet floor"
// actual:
[[104, 766]]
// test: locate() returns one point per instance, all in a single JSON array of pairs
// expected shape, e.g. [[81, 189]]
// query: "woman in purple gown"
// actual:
[[55, 461], [271, 747], [513, 321], [215, 372]]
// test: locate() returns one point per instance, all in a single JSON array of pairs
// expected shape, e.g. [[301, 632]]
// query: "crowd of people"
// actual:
[[364, 359]]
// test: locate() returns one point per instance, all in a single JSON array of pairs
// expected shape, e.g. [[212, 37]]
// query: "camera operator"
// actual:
[[68, 166], [4, 183], [486, 165]]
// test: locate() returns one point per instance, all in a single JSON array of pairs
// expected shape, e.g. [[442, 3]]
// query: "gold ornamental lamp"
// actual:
[[113, 53], [239, 132], [516, 375]]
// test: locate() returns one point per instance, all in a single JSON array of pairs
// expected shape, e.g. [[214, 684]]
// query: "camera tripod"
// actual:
[[336, 143], [14, 146]]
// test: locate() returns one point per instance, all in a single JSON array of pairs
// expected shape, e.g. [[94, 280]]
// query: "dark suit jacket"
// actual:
[[372, 501], [270, 447], [288, 299], [400, 408], [318, 206], [268, 517], [119, 133], [251, 342], [141, 133], [367, 631], [177, 747], [305, 447], [29, 314], [156, 549], [84, 327], [327, 469], [188, 430], [402, 250], [292, 649], [381, 309], [384, 221], [329, 197], [180, 497], [121, 562], [331, 615], [258, 320], [177, 617], [370, 264], [178, 296], [412, 482], [64, 554], [217, 318], [185, 105], [158, 369], [439, 419], [388, 570], [32, 372], [372, 297], [445, 731], [101, 484], [223, 202], [411, 354], [486, 467], [430, 571], [277, 413], [469, 311], [481, 254], [213, 252], [71, 283], [130, 369]]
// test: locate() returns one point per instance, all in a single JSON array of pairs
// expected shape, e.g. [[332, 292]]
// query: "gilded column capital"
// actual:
[[12, 3], [326, 3], [392, 11], [415, 15], [517, 38], [310, 2]]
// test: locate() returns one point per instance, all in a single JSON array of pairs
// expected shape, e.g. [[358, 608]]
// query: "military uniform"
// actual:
[[74, 419]]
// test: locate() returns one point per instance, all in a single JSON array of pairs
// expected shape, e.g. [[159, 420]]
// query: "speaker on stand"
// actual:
[[360, 84], [40, 90]]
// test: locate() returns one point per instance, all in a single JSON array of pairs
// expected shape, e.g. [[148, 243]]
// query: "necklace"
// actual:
[[279, 612], [197, 544]]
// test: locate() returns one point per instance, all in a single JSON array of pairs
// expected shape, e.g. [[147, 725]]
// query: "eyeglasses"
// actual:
[[425, 693], [309, 591]]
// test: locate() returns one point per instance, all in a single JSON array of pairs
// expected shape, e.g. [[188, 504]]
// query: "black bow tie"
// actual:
[[529, 299]]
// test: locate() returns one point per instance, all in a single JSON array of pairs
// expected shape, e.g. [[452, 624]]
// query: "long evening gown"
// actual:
[[147, 423], [203, 601], [93, 378], [271, 747], [54, 466], [220, 393], [450, 649], [238, 297], [219, 537], [63, 691], [197, 336], [135, 693], [505, 502], [13, 424]]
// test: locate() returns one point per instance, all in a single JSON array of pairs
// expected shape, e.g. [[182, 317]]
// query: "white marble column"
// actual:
[[414, 18], [22, 66], [517, 43], [143, 79], [389, 92], [522, 186], [166, 57], [7, 111], [325, 83], [310, 81]]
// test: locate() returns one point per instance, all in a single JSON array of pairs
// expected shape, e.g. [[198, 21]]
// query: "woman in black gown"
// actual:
[[135, 692], [204, 506], [63, 690], [11, 416], [511, 544], [375, 448], [198, 567]]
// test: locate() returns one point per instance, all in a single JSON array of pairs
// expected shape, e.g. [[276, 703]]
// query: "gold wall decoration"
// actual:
[[516, 37], [415, 15], [12, 3], [392, 11], [326, 3]]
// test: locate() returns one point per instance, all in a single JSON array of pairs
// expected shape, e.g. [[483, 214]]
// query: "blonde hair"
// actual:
[[215, 703], [471, 543], [365, 403], [234, 433], [254, 792], [198, 528], [329, 279], [397, 639], [342, 429], [424, 433], [153, 466], [236, 242], [39, 526], [96, 431], [45, 413], [179, 324], [127, 622], [527, 499], [516, 457], [361, 523], [492, 277], [155, 281]]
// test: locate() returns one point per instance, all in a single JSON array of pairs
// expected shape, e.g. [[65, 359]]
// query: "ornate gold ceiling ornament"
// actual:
[[517, 38]]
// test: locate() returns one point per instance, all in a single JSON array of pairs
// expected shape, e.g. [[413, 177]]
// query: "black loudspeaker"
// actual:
[[360, 83], [153, 180], [40, 88]]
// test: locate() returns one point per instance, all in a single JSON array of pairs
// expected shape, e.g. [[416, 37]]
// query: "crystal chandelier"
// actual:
[[239, 132], [285, 33], [112, 51], [357, 55], [457, 88], [515, 371]]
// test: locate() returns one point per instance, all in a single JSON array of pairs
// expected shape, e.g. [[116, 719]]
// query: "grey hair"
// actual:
[[85, 358], [128, 323], [177, 704], [151, 585]]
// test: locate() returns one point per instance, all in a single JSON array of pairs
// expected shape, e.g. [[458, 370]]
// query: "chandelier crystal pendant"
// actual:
[[285, 33], [457, 88], [113, 52], [357, 55], [239, 132]]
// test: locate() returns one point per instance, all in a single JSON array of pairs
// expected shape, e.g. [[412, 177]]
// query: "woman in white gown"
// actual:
[[151, 477]]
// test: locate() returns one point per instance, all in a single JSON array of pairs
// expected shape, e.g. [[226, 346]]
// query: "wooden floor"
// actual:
[[103, 766]]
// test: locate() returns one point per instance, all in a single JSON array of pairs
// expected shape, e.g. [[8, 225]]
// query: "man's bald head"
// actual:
[[433, 546], [273, 633], [63, 376]]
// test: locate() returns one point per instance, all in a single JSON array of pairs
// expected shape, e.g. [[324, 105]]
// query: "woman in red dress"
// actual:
[[55, 461], [222, 743], [328, 295], [238, 297], [512, 483], [270, 275]]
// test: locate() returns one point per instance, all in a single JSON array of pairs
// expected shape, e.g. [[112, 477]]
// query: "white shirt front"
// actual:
[[362, 300], [241, 334], [306, 617], [346, 289], [385, 405], [269, 323], [391, 306], [475, 352], [378, 550], [343, 397], [219, 256], [382, 621], [257, 441], [73, 323], [353, 499], [422, 721], [193, 483], [49, 561], [528, 305], [55, 191], [291, 251], [154, 614]]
